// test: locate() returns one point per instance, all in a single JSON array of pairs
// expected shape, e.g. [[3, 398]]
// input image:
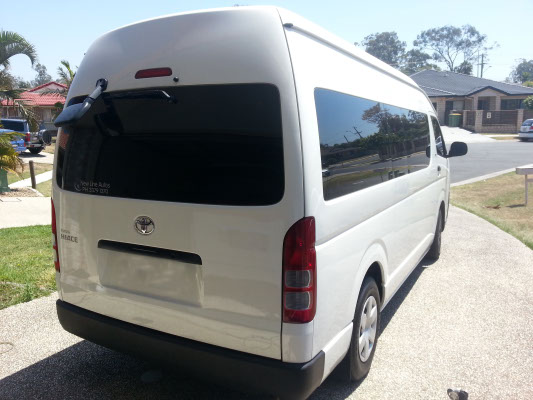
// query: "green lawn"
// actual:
[[45, 188], [26, 264], [38, 168], [500, 200]]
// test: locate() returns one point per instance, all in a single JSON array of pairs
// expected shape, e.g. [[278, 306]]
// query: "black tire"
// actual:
[[353, 365], [434, 250], [36, 150]]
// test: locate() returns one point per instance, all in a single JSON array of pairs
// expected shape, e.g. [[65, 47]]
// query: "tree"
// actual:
[[9, 160], [42, 76], [20, 83], [12, 44], [453, 45], [523, 72], [465, 68], [66, 74], [386, 46], [528, 103], [416, 60], [528, 83]]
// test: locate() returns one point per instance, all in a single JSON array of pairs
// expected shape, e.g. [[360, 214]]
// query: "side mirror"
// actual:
[[458, 149]]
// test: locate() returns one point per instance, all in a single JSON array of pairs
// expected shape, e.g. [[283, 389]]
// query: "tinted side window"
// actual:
[[364, 143], [439, 139]]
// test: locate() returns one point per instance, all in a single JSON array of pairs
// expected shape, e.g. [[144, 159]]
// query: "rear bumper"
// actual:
[[242, 370]]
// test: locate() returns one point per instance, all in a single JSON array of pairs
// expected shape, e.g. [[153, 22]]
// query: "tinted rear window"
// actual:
[[213, 144], [17, 126], [528, 122]]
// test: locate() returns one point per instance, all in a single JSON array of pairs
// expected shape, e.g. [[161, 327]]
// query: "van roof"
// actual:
[[306, 26], [108, 52]]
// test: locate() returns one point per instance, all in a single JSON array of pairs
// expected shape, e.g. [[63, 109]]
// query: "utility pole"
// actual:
[[482, 64]]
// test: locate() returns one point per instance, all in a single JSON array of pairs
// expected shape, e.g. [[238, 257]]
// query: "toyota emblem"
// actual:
[[144, 225]]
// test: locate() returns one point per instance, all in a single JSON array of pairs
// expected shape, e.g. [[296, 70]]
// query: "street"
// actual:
[[485, 158]]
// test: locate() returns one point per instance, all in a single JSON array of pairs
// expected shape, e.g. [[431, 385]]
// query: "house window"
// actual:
[[482, 104], [458, 105], [511, 104]]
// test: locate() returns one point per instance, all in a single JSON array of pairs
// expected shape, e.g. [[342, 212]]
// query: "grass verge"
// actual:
[[38, 168], [45, 188], [26, 264], [515, 138], [500, 201]]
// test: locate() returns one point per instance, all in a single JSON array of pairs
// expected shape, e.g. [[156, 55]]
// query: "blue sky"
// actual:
[[65, 29]]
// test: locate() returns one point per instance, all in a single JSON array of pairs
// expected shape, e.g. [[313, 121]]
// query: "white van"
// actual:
[[241, 194]]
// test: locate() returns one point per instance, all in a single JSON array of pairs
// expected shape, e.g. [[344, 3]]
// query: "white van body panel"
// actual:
[[393, 222], [234, 299]]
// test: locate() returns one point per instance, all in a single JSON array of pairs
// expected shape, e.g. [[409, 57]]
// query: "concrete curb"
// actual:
[[45, 176], [483, 177]]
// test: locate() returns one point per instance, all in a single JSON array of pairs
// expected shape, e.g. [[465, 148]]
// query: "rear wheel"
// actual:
[[365, 331], [36, 150], [434, 250]]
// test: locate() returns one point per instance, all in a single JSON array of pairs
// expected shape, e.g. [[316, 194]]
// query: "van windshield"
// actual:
[[212, 144]]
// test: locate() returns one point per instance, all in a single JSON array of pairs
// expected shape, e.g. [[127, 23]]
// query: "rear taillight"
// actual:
[[54, 238], [28, 138], [299, 272], [531, 128]]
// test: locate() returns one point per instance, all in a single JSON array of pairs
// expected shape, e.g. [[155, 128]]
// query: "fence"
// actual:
[[500, 117], [528, 114], [470, 118]]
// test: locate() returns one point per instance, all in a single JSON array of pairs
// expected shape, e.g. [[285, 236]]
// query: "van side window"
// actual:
[[364, 143], [439, 139]]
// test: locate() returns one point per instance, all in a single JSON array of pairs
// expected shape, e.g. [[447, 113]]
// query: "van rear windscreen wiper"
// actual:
[[73, 113]]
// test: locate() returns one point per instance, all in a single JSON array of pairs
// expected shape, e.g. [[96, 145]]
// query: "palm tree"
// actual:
[[12, 44], [66, 76], [9, 160]]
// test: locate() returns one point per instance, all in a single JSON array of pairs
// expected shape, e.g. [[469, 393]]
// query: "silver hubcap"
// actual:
[[367, 328]]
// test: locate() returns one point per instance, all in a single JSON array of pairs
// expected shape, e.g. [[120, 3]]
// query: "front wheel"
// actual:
[[36, 150], [365, 331]]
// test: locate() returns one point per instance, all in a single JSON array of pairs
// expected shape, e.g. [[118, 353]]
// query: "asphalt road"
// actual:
[[465, 321], [486, 158]]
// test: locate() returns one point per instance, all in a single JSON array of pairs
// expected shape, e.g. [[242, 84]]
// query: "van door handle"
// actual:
[[438, 170]]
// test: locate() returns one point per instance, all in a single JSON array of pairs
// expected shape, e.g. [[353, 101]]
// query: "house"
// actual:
[[41, 100], [486, 106]]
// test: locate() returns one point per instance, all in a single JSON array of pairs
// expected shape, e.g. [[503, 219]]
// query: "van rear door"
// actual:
[[173, 210]]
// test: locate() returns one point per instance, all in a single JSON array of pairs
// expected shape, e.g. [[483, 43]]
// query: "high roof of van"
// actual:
[[126, 47]]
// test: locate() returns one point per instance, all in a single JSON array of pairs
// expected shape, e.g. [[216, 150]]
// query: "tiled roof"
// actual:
[[37, 88], [445, 83], [37, 99]]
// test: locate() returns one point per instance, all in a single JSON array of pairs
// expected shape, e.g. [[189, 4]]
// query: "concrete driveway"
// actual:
[[465, 321]]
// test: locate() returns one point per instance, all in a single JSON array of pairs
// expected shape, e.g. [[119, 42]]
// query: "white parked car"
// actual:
[[526, 130], [192, 218]]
